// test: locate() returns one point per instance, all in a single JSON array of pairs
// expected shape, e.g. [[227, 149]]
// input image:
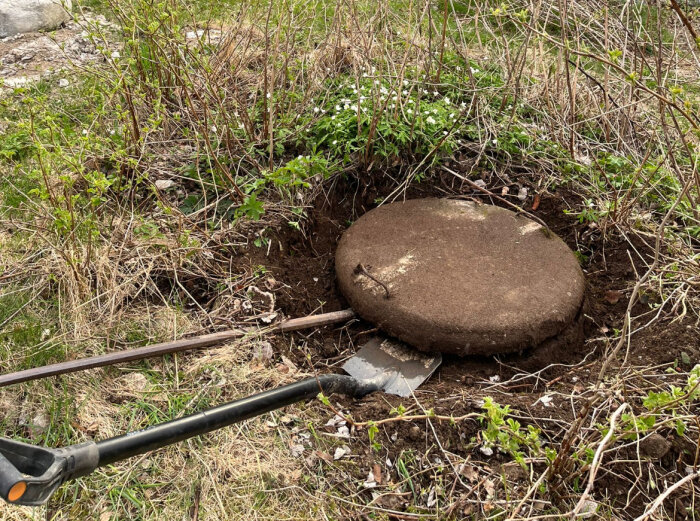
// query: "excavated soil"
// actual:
[[304, 264]]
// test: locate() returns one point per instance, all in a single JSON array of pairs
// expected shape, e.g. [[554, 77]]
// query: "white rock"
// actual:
[[63, 83], [24, 16]]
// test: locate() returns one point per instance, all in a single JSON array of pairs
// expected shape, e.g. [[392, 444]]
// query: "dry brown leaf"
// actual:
[[377, 471], [612, 296]]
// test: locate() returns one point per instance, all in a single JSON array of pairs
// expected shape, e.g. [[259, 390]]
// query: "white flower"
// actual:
[[444, 132], [430, 120], [409, 111], [473, 70], [436, 93], [494, 141], [316, 110], [337, 108], [405, 82], [213, 128], [335, 141], [333, 116], [463, 105], [85, 132], [268, 95], [447, 101], [405, 92]]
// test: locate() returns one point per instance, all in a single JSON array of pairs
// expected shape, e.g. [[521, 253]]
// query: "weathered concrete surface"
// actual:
[[23, 16], [462, 278]]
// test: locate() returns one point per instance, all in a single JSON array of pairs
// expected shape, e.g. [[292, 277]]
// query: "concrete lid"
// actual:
[[462, 278]]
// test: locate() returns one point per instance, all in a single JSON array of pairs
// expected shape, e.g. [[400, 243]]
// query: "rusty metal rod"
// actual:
[[164, 348]]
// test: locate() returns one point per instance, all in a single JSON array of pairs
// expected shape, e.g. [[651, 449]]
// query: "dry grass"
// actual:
[[597, 96]]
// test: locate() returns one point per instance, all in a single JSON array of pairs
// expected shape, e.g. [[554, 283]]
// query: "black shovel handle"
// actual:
[[30, 474]]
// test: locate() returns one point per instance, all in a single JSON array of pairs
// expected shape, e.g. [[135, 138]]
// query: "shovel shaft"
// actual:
[[139, 442]]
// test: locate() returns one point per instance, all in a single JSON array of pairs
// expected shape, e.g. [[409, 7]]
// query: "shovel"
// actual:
[[30, 474]]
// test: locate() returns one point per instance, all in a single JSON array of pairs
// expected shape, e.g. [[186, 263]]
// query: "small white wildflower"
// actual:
[[463, 105], [409, 111], [115, 55], [333, 116], [316, 110], [335, 141], [411, 102], [353, 108], [436, 93], [268, 95], [434, 111], [473, 70], [404, 92], [494, 141], [346, 106], [85, 132], [213, 128], [364, 74], [444, 132], [447, 101], [405, 82], [337, 108], [430, 120], [453, 115]]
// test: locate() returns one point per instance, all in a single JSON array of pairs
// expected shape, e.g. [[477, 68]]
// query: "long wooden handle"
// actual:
[[164, 348]]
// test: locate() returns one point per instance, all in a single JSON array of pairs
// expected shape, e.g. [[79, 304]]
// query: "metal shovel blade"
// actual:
[[397, 368]]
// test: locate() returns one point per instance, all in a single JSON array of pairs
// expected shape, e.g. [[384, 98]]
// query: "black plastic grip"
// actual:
[[30, 474]]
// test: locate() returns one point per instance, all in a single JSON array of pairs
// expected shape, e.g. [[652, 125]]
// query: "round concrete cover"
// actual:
[[462, 278]]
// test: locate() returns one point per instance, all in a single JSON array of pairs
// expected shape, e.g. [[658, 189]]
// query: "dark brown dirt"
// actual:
[[459, 386]]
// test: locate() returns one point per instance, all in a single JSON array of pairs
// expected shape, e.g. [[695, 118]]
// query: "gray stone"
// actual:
[[461, 278], [24, 16]]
